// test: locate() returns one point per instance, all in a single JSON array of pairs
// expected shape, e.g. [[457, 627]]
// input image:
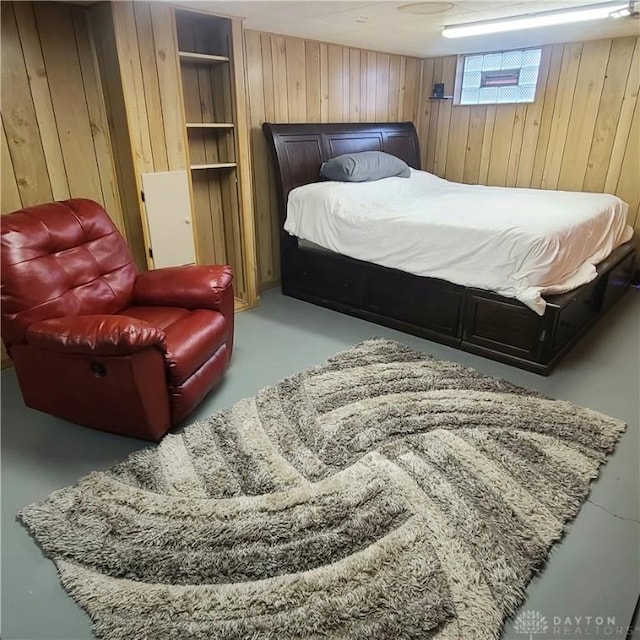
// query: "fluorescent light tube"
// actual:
[[582, 14], [622, 13]]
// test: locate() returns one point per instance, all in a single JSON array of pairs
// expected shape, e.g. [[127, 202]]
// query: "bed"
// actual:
[[531, 327]]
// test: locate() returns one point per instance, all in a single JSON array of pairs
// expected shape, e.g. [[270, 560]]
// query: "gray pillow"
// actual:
[[364, 166]]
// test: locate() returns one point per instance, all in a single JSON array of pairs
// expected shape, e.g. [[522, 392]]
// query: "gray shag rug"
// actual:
[[383, 494]]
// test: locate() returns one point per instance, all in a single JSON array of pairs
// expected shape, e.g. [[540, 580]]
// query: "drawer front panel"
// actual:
[[419, 301], [330, 278], [508, 328], [619, 279], [574, 316]]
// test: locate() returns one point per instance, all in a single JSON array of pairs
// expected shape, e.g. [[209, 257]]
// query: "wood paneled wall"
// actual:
[[295, 80], [582, 133], [55, 136], [136, 45]]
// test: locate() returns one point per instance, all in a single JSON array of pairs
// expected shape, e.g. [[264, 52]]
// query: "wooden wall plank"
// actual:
[[168, 68], [312, 80], [412, 89], [204, 213], [296, 79], [268, 84], [279, 58], [487, 137], [55, 26], [133, 85], [19, 117], [382, 87], [324, 82], [54, 109], [615, 81], [457, 143], [261, 182], [501, 144], [477, 119], [394, 89], [146, 46], [593, 66], [103, 38], [371, 84], [244, 173], [402, 87], [561, 115], [628, 186], [444, 116], [423, 108], [532, 123], [433, 114], [98, 119], [39, 83], [335, 71], [549, 100], [354, 85], [624, 122], [516, 145], [346, 83], [9, 194]]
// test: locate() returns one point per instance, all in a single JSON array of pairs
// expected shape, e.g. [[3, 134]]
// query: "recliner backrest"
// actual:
[[61, 259]]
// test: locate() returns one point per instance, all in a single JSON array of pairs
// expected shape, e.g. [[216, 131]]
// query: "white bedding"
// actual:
[[520, 243]]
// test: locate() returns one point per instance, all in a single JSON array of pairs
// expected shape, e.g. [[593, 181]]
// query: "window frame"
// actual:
[[457, 85]]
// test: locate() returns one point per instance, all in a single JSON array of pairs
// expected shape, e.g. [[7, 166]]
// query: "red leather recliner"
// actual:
[[97, 343]]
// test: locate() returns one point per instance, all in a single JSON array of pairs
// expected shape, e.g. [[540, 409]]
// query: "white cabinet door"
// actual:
[[166, 199]]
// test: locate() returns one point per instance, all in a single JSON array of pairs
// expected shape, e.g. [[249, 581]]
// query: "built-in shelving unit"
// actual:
[[211, 69]]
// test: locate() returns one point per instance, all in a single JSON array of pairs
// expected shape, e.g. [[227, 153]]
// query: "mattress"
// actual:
[[519, 243]]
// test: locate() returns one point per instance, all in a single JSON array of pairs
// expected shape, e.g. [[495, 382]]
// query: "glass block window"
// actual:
[[499, 77]]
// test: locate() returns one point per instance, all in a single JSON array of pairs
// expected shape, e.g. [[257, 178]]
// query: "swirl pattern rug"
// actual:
[[383, 494]]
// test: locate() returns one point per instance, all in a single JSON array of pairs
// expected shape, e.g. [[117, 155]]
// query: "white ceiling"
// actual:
[[384, 25]]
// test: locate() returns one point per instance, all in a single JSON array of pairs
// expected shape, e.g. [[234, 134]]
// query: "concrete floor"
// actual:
[[594, 571]]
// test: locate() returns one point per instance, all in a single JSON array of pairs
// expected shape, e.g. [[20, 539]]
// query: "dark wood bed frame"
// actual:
[[474, 320]]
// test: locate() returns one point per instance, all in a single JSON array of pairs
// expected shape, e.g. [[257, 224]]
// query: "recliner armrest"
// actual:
[[98, 335], [190, 287]]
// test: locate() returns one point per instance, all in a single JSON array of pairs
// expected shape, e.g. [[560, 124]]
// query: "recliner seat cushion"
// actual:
[[191, 337]]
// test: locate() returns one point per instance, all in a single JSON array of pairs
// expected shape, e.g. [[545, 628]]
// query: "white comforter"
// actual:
[[520, 243]]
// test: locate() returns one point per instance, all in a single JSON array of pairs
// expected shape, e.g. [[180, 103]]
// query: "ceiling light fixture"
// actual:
[[626, 12], [531, 20]]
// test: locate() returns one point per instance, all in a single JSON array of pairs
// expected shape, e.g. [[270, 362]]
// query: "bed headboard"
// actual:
[[298, 150]]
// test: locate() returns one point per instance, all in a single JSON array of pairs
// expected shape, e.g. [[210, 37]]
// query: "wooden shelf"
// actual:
[[207, 58], [218, 144], [214, 165], [210, 125]]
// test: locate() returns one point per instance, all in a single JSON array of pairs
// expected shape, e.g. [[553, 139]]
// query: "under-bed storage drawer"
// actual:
[[615, 283], [575, 310], [425, 302], [328, 276], [503, 327]]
